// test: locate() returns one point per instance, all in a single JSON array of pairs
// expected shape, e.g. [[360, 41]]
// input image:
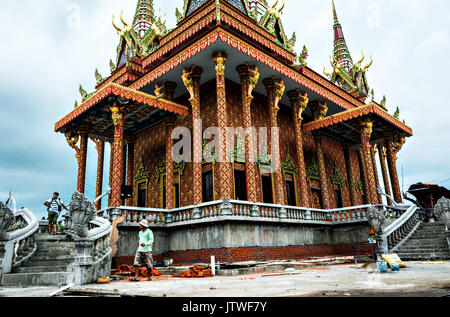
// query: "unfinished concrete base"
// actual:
[[232, 241]]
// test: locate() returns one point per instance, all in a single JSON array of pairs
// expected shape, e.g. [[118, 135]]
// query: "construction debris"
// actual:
[[195, 272], [393, 260], [125, 269]]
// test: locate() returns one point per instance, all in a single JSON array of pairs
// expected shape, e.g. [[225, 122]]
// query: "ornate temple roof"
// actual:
[[148, 53]]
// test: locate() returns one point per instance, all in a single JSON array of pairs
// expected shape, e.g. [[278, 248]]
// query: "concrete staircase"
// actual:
[[428, 242], [49, 266]]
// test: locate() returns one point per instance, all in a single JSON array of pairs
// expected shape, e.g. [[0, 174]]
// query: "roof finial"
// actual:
[[334, 13]]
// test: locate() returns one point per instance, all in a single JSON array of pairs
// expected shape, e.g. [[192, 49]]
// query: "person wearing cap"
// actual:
[[144, 256]]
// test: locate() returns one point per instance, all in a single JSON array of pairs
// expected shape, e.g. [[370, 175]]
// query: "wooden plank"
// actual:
[[62, 289]]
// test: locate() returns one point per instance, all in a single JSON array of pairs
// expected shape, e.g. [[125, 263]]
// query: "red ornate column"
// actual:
[[382, 155], [393, 146], [375, 171], [118, 154], [169, 91], [81, 155], [351, 178], [191, 79], [226, 188], [322, 172], [249, 78], [366, 148], [275, 90], [130, 164], [100, 147], [111, 164], [299, 103]]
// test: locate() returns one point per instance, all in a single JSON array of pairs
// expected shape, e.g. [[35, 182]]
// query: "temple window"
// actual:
[[142, 195]]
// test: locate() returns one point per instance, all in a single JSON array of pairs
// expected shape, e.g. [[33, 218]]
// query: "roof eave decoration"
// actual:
[[344, 116], [190, 6], [113, 89], [271, 22]]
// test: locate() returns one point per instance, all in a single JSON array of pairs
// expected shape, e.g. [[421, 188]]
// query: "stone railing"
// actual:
[[397, 232], [442, 213], [17, 242], [93, 252], [239, 210]]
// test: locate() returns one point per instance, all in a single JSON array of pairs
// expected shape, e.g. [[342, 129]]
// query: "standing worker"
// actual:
[[144, 256], [54, 207]]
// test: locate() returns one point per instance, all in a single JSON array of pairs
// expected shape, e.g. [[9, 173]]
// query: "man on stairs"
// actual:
[[54, 207]]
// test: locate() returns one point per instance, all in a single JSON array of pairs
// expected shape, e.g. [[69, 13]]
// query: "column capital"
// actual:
[[169, 89], [219, 57], [269, 83], [196, 72]]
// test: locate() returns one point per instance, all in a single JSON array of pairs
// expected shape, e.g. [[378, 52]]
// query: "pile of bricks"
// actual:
[[195, 272], [125, 269]]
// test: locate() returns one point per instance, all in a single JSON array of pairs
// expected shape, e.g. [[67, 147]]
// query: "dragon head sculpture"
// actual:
[[82, 211]]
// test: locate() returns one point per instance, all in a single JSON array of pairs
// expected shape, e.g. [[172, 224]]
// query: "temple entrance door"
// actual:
[[240, 186], [208, 186], [290, 192], [142, 195], [267, 188], [316, 194], [338, 196]]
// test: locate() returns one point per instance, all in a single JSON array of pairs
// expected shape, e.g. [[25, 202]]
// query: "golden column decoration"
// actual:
[[226, 188], [382, 155], [299, 103], [249, 79], [191, 79], [111, 162], [364, 176], [351, 177], [275, 91], [100, 147], [366, 133], [322, 172], [118, 154]]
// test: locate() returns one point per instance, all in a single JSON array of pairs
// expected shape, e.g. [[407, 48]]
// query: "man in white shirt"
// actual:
[[54, 207]]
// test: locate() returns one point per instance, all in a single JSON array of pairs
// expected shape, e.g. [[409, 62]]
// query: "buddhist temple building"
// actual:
[[231, 63]]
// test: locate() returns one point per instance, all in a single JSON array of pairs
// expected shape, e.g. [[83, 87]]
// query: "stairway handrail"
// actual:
[[401, 221]]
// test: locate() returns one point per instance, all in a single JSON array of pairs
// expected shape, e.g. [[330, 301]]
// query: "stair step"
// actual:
[[53, 253], [40, 269], [34, 279], [37, 263], [51, 257]]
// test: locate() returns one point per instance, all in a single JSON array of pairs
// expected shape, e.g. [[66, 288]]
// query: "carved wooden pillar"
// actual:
[[387, 187], [249, 78], [322, 172], [275, 90], [299, 103], [392, 165], [100, 147], [373, 150], [351, 178], [118, 154], [226, 188], [191, 79], [366, 133]]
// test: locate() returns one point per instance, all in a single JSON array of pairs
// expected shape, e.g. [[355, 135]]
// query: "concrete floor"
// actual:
[[337, 280]]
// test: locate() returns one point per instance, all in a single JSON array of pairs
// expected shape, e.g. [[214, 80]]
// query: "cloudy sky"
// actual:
[[51, 46]]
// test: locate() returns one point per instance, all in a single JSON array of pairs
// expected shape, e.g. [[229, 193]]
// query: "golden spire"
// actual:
[[334, 13]]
